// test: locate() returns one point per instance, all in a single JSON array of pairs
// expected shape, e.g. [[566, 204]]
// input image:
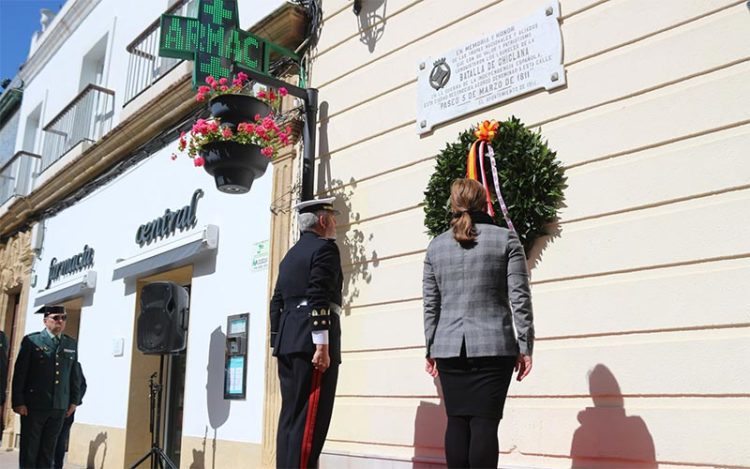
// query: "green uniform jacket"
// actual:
[[46, 377]]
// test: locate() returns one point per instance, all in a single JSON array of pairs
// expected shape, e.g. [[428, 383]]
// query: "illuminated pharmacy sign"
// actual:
[[215, 42]]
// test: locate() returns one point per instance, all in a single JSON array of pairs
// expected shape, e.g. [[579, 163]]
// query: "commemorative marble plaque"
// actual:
[[517, 59]]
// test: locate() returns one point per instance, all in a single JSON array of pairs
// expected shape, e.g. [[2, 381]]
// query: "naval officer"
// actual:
[[306, 335], [46, 387]]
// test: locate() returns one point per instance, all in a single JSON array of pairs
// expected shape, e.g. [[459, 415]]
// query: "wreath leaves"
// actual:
[[532, 181]]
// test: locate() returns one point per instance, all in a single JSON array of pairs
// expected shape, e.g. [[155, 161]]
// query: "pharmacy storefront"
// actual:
[[114, 259]]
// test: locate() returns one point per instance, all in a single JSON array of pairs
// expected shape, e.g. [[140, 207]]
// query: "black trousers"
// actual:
[[306, 407], [62, 441], [39, 431]]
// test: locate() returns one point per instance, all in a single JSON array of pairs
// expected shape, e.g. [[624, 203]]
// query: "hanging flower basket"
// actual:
[[236, 108], [236, 144], [233, 165]]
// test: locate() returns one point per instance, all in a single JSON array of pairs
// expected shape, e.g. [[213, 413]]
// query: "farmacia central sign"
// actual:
[[70, 265], [171, 221]]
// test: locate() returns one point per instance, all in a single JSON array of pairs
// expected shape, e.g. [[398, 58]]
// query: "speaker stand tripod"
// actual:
[[159, 459]]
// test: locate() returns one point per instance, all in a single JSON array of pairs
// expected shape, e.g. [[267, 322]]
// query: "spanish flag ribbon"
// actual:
[[485, 132], [471, 162]]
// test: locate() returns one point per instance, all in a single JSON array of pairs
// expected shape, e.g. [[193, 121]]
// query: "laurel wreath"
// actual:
[[532, 181]]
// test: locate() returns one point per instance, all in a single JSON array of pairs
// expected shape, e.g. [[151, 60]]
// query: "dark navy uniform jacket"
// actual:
[[311, 272], [46, 377]]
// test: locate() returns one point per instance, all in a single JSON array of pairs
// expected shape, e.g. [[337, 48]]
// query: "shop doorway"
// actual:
[[11, 326], [172, 376], [73, 310], [174, 406]]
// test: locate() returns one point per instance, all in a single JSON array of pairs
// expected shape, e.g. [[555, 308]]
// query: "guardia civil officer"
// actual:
[[46, 387], [61, 447], [306, 335]]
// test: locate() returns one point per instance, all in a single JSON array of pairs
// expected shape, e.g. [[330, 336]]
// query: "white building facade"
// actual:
[[89, 77]]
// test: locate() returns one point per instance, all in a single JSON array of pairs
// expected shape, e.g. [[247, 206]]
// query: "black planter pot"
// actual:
[[234, 166], [236, 108]]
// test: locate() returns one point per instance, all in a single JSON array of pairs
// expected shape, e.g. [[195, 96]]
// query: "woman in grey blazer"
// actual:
[[475, 289]]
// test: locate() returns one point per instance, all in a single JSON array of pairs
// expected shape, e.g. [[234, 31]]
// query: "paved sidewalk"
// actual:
[[9, 460]]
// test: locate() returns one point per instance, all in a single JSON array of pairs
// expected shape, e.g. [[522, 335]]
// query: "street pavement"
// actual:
[[9, 460]]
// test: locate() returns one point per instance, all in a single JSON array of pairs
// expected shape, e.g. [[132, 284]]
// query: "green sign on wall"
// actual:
[[215, 42]]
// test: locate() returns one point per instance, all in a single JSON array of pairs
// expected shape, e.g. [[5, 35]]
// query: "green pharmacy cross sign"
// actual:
[[215, 42]]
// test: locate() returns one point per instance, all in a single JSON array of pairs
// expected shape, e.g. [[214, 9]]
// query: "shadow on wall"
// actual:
[[94, 445], [534, 256], [351, 241], [218, 407], [429, 433], [199, 457], [371, 22], [606, 436]]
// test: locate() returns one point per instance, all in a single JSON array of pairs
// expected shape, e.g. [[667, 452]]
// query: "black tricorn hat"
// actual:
[[47, 310]]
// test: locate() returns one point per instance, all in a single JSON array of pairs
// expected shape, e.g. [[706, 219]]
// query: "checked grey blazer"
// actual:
[[468, 294]]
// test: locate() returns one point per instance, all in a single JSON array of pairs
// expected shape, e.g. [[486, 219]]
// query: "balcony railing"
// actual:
[[15, 175], [87, 118], [145, 66]]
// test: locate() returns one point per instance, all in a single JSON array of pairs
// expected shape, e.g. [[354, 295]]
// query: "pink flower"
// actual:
[[198, 161], [210, 79], [267, 151], [212, 126], [245, 128], [204, 89], [200, 126], [268, 123], [257, 117], [237, 83], [224, 88], [261, 94], [242, 76], [226, 132], [272, 96], [200, 97], [283, 91], [222, 81]]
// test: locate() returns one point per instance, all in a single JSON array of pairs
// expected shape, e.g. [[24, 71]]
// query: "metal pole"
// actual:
[[310, 97], [308, 140]]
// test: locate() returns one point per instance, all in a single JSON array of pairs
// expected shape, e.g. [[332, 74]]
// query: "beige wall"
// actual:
[[647, 276], [210, 453], [96, 447]]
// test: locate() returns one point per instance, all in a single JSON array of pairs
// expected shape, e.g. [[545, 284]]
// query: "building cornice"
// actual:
[[176, 102], [164, 111], [55, 37]]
